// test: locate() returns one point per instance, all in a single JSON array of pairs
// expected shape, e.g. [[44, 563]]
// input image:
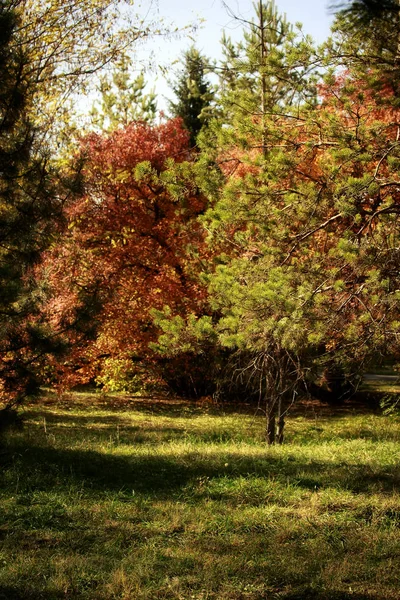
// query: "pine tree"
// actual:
[[306, 213], [194, 94], [367, 36], [27, 208], [245, 155], [123, 99]]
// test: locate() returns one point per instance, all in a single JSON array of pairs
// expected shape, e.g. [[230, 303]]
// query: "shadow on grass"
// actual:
[[310, 594], [15, 593], [73, 419], [333, 429], [100, 427], [149, 405], [163, 476], [366, 434]]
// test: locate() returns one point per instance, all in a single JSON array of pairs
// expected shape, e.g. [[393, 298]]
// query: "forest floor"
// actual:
[[106, 498]]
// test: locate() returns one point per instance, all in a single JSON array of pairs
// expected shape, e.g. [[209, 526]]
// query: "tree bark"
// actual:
[[281, 423], [271, 421]]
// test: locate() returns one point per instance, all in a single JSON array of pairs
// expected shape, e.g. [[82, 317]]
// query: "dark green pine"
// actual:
[[193, 92], [28, 206]]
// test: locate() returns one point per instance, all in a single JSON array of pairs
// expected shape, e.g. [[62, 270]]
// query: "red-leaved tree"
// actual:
[[125, 251]]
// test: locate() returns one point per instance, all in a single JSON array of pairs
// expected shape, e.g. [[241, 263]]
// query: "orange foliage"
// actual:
[[125, 249]]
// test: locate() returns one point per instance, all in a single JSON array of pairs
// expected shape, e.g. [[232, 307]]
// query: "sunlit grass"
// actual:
[[134, 501]]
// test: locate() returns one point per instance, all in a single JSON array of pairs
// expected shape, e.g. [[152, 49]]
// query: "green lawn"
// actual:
[[132, 501]]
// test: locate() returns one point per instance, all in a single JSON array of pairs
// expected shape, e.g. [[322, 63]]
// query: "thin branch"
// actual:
[[306, 235]]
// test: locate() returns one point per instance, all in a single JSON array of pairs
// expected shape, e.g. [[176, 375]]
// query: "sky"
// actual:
[[212, 17]]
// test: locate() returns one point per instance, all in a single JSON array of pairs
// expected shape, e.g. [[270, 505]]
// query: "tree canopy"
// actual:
[[268, 237], [125, 244], [47, 52]]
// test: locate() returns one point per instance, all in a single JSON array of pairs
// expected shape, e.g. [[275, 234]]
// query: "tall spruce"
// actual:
[[193, 92]]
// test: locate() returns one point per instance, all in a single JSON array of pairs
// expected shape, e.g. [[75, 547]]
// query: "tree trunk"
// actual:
[[281, 423], [271, 421], [263, 80]]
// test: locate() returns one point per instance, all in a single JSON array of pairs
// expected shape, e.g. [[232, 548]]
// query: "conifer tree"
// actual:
[[265, 80], [194, 94], [27, 209], [123, 99], [246, 154], [367, 36], [307, 216]]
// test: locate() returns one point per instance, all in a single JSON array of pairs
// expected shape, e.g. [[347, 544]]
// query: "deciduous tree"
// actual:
[[127, 245], [48, 51], [66, 43]]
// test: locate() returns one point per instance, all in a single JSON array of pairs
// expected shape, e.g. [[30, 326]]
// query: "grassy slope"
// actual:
[[135, 502]]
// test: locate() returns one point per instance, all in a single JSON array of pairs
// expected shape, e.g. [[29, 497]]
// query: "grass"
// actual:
[[112, 499]]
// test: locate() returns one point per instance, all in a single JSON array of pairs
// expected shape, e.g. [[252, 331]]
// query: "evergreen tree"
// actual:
[[193, 93], [27, 208], [367, 36], [123, 99], [246, 156], [306, 212], [265, 79]]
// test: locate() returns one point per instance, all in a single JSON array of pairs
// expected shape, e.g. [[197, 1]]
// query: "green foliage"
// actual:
[[194, 94], [262, 75], [301, 180], [257, 299], [295, 186], [305, 213], [118, 375], [28, 207], [123, 99], [191, 362], [180, 335]]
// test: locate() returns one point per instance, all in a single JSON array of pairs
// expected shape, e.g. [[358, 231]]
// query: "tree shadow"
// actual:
[[17, 593], [332, 430], [101, 427], [311, 594], [149, 405], [162, 476]]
